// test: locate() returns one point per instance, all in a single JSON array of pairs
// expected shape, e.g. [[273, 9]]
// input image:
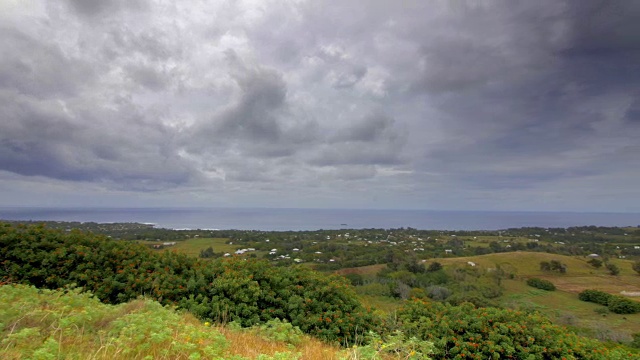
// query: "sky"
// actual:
[[439, 104]]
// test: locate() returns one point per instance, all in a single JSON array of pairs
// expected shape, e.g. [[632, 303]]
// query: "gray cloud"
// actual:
[[431, 102], [100, 7], [258, 122], [29, 66]]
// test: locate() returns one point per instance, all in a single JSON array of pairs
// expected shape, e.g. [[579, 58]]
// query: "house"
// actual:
[[168, 243], [593, 255], [448, 251]]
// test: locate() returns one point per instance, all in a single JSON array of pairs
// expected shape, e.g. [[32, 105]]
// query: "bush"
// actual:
[[541, 284], [596, 263], [553, 265], [250, 292], [595, 296], [434, 266], [279, 330], [439, 293], [622, 305], [394, 344], [613, 269], [460, 332]]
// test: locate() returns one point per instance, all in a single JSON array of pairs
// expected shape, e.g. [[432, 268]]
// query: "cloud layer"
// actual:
[[438, 104]]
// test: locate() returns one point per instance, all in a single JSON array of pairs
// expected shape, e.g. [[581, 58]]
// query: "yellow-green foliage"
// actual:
[[49, 324]]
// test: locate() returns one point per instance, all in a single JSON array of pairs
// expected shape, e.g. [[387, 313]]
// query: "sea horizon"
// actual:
[[308, 219]]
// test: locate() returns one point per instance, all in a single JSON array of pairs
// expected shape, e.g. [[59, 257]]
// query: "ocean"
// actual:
[[315, 219]]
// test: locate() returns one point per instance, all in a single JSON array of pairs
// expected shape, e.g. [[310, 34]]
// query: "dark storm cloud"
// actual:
[[43, 140], [604, 26], [429, 98], [559, 83], [368, 141], [258, 123]]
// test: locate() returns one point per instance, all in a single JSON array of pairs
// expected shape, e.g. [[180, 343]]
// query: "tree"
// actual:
[[434, 266], [596, 263], [553, 265], [636, 267], [207, 253], [613, 269]]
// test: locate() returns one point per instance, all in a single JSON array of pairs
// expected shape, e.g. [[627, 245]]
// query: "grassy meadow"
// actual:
[[563, 304], [192, 247]]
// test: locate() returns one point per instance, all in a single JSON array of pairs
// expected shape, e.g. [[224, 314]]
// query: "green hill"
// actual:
[[579, 276], [49, 324], [563, 305]]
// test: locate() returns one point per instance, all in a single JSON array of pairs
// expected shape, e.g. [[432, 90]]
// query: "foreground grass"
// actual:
[[46, 324]]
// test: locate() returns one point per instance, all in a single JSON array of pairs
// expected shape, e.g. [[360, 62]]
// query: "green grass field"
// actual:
[[565, 309], [528, 263], [563, 305], [192, 247]]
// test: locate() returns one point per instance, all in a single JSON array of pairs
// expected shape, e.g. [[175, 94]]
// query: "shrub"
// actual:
[[393, 344], [613, 269], [553, 265], [279, 330], [355, 279], [460, 332], [250, 292], [438, 293], [596, 263], [622, 305], [636, 340], [595, 296], [541, 284], [434, 266]]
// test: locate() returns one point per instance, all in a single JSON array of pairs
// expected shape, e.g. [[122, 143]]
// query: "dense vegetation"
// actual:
[[460, 332], [541, 284], [232, 289], [451, 314], [615, 304], [49, 324]]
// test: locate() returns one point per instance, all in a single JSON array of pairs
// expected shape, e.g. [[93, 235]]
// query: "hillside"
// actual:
[[579, 276], [562, 305], [276, 302], [46, 324]]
